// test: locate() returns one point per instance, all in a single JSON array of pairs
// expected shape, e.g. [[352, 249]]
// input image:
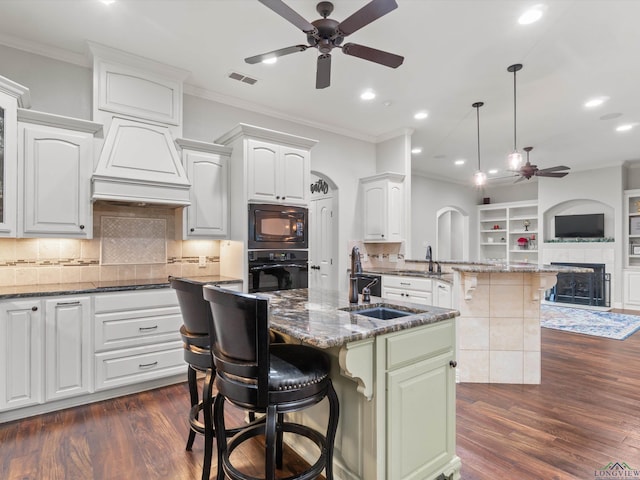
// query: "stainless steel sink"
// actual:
[[380, 311]]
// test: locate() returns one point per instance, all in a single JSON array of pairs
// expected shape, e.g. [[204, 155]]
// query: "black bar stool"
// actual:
[[196, 315], [271, 379]]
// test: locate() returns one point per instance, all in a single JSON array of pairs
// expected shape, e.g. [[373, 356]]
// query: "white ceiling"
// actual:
[[456, 53]]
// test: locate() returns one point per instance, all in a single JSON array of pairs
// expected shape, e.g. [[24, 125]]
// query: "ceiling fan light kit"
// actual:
[[325, 34]]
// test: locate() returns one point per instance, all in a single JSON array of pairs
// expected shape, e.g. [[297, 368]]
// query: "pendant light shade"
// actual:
[[515, 157], [479, 178]]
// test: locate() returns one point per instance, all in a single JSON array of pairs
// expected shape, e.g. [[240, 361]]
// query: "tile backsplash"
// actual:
[[31, 261]]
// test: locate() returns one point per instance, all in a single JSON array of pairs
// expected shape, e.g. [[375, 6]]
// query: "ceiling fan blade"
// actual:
[[276, 53], [373, 55], [367, 14], [323, 72], [520, 179], [289, 14], [554, 169], [541, 173]]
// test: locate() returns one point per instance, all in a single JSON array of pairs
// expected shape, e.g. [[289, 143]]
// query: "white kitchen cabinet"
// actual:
[[56, 156], [420, 384], [383, 203], [206, 165], [442, 294], [277, 173], [137, 337], [632, 289], [408, 289], [21, 350], [68, 352], [12, 96]]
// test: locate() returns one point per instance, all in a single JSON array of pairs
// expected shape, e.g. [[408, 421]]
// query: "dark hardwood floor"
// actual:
[[585, 414]]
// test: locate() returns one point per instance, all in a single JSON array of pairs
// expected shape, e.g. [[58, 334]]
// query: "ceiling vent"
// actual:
[[242, 78]]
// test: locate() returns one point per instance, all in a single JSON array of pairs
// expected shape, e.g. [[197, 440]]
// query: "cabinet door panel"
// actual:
[[67, 348], [56, 181], [374, 208], [21, 354], [262, 174], [417, 407], [295, 183], [207, 216]]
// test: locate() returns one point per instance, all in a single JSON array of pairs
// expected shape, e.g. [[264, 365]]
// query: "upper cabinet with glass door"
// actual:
[[12, 96]]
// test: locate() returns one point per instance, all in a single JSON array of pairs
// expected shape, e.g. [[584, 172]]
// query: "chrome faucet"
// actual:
[[429, 257], [356, 267]]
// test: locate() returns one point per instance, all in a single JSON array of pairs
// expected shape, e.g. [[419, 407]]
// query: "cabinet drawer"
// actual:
[[420, 343], [139, 327], [413, 283], [124, 367], [116, 302]]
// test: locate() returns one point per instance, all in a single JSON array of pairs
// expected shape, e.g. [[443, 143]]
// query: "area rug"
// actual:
[[601, 324]]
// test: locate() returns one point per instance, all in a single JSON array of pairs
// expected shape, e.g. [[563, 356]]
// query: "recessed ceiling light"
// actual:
[[107, 2], [416, 150], [459, 162], [595, 102], [625, 128], [493, 171], [532, 15], [368, 95], [270, 60], [421, 115]]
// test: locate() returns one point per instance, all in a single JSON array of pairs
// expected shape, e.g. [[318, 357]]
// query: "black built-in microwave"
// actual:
[[278, 227]]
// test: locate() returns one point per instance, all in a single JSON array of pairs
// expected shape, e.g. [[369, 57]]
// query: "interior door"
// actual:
[[321, 248]]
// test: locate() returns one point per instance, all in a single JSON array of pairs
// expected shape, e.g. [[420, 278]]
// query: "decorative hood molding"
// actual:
[[140, 164]]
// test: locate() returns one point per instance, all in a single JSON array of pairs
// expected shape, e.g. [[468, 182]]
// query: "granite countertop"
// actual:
[[315, 317], [518, 268], [43, 290], [407, 272]]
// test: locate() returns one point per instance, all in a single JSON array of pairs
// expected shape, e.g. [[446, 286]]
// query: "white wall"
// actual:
[[55, 87], [429, 196], [632, 176], [512, 192]]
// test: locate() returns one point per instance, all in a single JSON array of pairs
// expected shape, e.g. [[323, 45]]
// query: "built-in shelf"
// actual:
[[500, 244]]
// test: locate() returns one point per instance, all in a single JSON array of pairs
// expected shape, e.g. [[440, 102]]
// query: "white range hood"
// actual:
[[139, 101], [140, 164]]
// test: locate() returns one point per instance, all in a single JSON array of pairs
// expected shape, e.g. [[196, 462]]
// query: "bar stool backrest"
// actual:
[[240, 323], [195, 309]]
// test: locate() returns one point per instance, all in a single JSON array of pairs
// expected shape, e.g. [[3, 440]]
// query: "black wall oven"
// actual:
[[271, 270], [278, 227]]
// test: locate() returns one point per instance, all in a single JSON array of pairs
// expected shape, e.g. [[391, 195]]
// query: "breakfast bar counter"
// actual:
[[395, 380]]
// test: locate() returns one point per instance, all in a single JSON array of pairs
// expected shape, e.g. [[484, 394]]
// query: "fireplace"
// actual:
[[589, 288]]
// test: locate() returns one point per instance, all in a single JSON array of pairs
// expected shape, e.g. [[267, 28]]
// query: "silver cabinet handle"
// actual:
[[148, 365], [403, 283], [441, 286], [77, 302], [146, 329]]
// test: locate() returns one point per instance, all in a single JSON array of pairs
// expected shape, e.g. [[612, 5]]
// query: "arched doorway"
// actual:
[[452, 234]]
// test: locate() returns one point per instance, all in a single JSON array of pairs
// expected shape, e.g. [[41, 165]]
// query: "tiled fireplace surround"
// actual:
[[33, 261]]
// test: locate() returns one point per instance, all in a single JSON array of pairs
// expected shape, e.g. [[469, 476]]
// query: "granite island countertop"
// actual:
[[517, 268], [316, 317], [51, 289]]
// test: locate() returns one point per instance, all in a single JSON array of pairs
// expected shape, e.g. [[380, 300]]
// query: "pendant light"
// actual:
[[479, 178], [515, 157]]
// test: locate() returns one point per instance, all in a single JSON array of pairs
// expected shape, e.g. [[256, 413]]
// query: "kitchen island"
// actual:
[[395, 380]]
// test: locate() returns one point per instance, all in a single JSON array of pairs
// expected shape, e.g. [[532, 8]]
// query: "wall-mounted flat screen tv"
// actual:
[[580, 226]]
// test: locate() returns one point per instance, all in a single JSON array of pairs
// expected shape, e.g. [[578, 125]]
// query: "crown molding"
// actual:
[[38, 48]]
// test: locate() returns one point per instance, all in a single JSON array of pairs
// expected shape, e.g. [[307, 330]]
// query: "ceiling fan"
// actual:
[[325, 34], [527, 170]]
